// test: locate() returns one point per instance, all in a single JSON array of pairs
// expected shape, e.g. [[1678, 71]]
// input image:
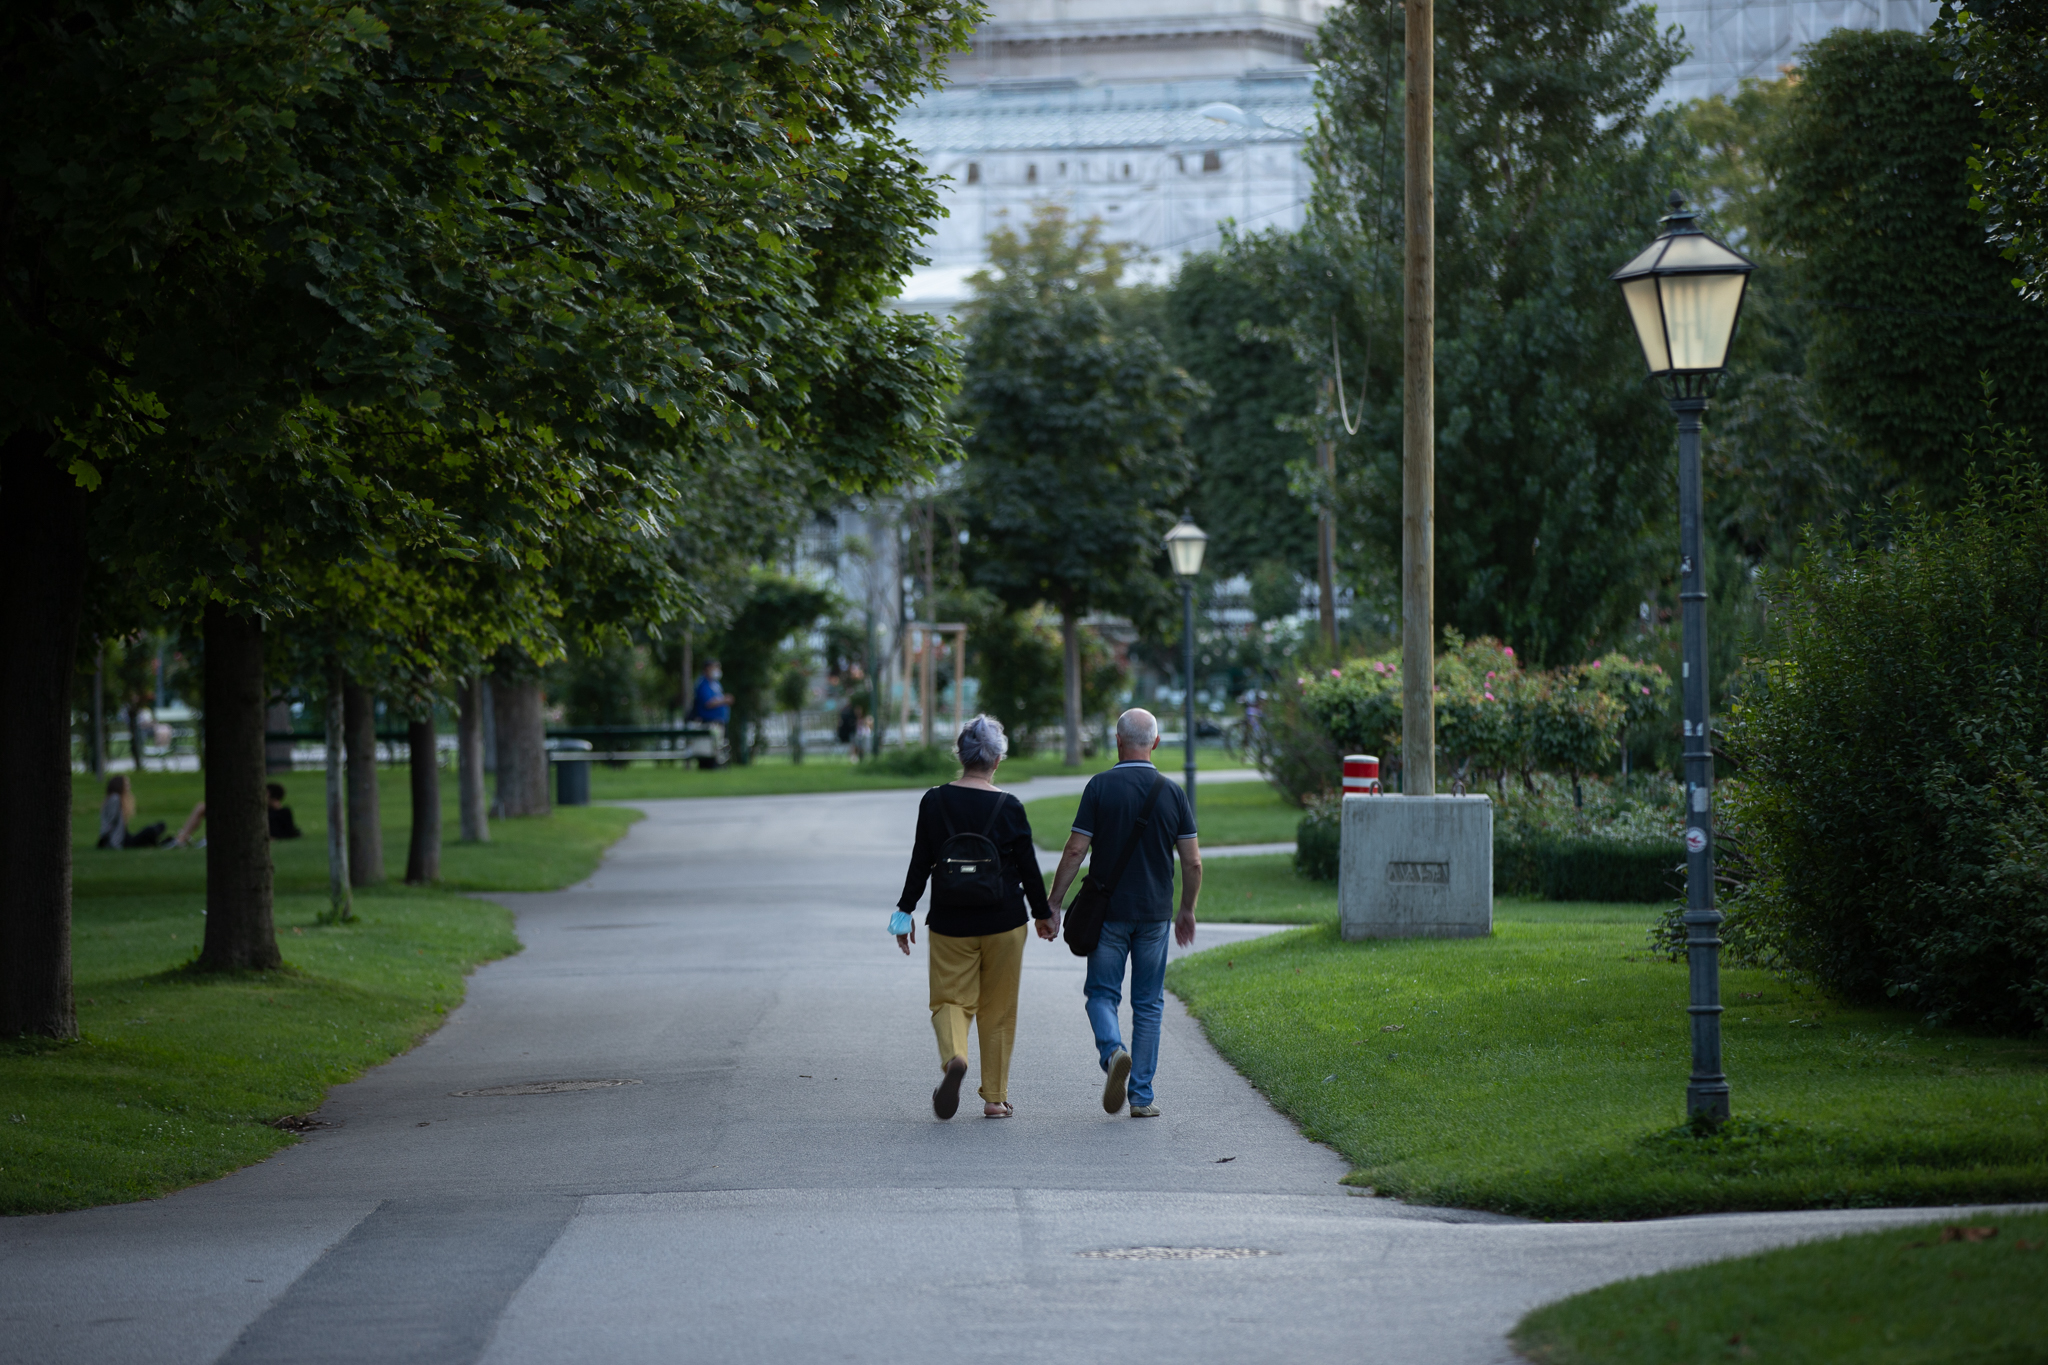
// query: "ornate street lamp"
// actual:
[[1185, 544], [1684, 294]]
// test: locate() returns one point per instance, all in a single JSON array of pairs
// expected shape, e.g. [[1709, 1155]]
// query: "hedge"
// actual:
[[1554, 867]]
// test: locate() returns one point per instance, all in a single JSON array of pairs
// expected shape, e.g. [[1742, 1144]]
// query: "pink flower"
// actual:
[[1596, 663], [1646, 691], [1336, 672], [1509, 652], [1491, 697], [1489, 677]]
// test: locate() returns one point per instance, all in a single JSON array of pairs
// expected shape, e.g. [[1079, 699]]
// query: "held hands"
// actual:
[[1049, 927]]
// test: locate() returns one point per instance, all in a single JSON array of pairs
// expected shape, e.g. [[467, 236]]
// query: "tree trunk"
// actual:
[[423, 857], [1070, 641], [365, 832], [339, 900], [42, 587], [469, 762], [239, 932], [522, 747]]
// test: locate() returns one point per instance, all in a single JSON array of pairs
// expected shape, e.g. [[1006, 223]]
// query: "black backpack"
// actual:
[[969, 872]]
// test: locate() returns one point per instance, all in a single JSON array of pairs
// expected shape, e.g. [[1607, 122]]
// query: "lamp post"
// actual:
[[1184, 546], [1684, 294]]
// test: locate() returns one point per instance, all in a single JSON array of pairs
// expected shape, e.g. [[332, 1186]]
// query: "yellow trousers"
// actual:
[[976, 979]]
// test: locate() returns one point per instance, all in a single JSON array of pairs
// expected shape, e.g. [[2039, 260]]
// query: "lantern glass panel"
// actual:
[[1642, 309], [1699, 318], [1184, 545], [1696, 251], [1645, 260]]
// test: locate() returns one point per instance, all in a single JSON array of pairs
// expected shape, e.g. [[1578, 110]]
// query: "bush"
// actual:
[[1894, 752], [1318, 839], [914, 760]]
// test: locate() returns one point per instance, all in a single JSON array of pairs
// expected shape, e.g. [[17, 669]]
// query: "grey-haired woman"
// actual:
[[976, 950]]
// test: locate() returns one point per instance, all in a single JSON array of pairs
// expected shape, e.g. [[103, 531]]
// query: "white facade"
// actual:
[[1095, 104]]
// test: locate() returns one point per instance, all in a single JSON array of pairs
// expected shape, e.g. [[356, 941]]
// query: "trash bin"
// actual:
[[571, 758], [572, 780]]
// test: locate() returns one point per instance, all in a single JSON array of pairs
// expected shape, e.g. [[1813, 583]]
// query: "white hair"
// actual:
[[1136, 728], [982, 743]]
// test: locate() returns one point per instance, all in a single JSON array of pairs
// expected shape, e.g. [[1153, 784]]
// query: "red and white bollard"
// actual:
[[1362, 775]]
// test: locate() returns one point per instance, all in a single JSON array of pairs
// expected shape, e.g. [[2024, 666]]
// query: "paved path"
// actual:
[[771, 1187]]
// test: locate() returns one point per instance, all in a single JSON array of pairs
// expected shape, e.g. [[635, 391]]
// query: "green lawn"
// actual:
[[1910, 1296], [176, 1077], [1261, 889], [830, 772], [1225, 812], [1542, 1071]]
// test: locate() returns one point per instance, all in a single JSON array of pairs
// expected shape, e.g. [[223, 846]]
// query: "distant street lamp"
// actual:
[[1185, 544], [1684, 294]]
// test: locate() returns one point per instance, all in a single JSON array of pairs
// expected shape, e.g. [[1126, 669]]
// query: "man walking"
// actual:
[[712, 706], [1134, 928]]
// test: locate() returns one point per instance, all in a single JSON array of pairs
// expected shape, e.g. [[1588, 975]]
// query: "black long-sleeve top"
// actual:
[[1011, 834]]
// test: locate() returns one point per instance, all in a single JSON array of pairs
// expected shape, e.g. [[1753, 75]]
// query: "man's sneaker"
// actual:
[[1144, 1111], [1113, 1085]]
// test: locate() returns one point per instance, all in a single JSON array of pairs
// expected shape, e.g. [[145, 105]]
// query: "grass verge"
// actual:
[[1907, 1296], [1542, 1071], [829, 772], [1225, 812], [179, 1078]]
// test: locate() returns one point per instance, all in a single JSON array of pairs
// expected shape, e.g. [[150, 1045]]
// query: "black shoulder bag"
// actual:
[[969, 872], [1083, 930]]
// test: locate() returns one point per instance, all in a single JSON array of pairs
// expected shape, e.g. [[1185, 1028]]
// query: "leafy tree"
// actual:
[[2000, 47], [1911, 305], [1075, 459], [775, 608], [1224, 321], [596, 255], [1553, 457]]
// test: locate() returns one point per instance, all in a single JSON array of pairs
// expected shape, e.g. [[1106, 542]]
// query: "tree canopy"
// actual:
[[2000, 48], [1553, 456]]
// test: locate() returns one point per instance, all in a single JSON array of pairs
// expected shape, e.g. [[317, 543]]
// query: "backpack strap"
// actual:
[[944, 814], [1123, 855], [1002, 803]]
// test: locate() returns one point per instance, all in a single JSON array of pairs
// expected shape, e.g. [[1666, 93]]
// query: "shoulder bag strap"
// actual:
[[1123, 856]]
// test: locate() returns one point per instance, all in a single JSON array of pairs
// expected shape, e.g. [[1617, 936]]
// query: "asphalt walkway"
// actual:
[[760, 1177]]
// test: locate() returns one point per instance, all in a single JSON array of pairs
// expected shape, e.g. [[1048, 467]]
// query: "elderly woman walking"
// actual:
[[974, 846]]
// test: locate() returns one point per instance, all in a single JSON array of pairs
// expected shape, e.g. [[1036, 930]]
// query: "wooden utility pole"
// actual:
[[1326, 531], [1418, 412]]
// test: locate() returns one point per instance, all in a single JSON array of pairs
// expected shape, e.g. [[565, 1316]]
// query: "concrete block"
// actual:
[[1416, 867]]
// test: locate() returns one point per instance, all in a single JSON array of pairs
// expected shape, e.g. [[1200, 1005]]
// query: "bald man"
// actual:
[[1134, 928]]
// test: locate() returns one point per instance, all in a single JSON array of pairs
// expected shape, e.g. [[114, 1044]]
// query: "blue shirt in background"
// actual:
[[708, 692]]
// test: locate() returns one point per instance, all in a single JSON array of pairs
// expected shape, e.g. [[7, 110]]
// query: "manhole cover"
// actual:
[[1176, 1254], [543, 1087]]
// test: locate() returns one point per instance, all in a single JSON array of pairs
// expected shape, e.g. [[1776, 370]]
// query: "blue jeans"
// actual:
[[1144, 945]]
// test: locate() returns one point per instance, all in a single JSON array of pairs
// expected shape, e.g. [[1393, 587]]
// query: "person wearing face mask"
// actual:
[[711, 705]]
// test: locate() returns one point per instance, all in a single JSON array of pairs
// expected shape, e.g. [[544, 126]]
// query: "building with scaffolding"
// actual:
[[1168, 119]]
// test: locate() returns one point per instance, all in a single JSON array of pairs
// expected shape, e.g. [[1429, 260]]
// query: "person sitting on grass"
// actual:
[[117, 812], [282, 826], [189, 828]]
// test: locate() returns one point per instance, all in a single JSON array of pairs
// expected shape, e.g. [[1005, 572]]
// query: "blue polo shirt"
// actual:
[[708, 692], [1108, 815]]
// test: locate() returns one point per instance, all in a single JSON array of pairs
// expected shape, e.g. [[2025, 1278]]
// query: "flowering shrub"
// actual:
[[1492, 717]]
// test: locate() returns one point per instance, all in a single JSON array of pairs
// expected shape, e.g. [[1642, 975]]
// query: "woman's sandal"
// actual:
[[946, 1099], [1003, 1111]]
